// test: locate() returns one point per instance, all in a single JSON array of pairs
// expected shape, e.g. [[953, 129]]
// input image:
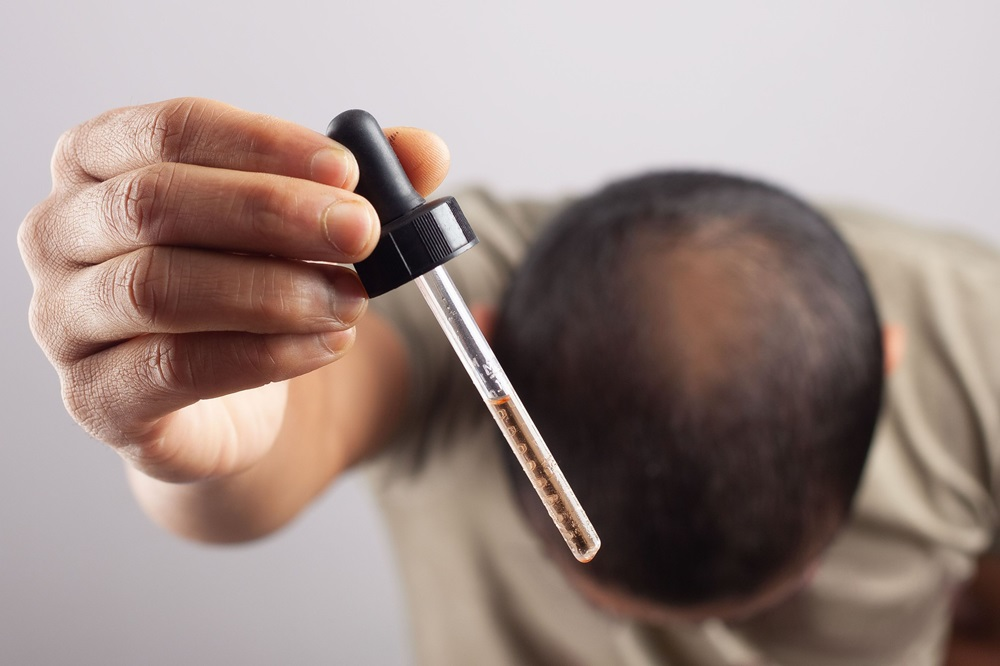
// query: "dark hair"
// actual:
[[702, 354]]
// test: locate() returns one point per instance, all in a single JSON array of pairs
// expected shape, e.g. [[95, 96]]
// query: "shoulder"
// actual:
[[929, 277], [935, 465], [884, 241]]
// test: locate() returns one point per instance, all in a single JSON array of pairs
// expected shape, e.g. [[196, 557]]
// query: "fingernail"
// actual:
[[349, 227], [333, 165], [348, 298], [335, 343]]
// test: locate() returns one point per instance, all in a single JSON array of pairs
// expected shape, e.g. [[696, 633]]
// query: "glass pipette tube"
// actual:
[[537, 462]]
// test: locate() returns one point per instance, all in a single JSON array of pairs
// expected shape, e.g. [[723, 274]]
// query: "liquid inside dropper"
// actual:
[[526, 443], [547, 480]]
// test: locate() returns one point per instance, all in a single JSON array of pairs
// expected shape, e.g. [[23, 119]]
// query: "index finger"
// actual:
[[201, 132]]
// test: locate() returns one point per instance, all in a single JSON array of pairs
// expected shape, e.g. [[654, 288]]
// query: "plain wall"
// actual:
[[891, 104]]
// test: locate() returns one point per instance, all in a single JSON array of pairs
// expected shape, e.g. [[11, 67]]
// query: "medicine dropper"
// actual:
[[417, 238]]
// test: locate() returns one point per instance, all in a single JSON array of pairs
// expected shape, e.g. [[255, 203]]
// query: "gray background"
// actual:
[[894, 105]]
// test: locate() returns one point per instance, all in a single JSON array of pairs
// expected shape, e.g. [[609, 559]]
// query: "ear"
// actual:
[[894, 345], [486, 317]]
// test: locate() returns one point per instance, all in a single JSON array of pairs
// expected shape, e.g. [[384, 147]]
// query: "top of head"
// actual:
[[730, 348]]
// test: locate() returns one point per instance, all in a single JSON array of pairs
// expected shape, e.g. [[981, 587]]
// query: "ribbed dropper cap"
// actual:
[[417, 235]]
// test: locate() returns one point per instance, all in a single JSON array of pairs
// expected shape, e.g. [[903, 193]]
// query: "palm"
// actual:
[[233, 432]]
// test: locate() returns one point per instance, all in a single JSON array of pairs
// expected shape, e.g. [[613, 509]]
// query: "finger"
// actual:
[[194, 206], [424, 156], [178, 290], [203, 132], [119, 394]]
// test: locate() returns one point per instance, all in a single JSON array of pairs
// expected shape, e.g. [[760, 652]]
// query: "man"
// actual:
[[702, 352]]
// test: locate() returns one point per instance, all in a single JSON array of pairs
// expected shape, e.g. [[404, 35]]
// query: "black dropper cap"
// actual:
[[417, 236]]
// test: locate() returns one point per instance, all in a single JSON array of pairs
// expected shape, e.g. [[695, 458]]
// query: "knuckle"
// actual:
[[257, 135], [92, 395], [267, 212], [37, 320], [171, 125], [65, 158], [274, 293], [163, 366], [140, 281], [126, 207], [130, 206], [44, 326], [260, 290], [30, 237], [49, 322], [80, 396], [40, 321], [53, 233], [256, 355]]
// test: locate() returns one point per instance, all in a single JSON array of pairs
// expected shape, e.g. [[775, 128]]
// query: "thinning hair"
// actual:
[[703, 356]]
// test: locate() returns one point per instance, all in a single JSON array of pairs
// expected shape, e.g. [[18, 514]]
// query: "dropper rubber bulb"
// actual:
[[417, 236]]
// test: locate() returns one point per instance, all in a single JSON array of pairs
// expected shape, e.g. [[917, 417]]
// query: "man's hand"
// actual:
[[175, 267]]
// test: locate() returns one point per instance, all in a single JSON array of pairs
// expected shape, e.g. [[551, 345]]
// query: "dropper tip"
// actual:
[[585, 556]]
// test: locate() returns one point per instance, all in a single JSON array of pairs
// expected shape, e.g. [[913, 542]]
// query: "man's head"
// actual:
[[703, 357]]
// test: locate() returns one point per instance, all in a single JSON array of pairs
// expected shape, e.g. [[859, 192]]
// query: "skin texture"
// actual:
[[184, 292], [173, 297]]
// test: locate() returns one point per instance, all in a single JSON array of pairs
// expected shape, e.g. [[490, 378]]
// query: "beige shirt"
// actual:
[[481, 590]]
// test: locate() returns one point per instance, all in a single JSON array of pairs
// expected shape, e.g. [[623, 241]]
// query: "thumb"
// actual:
[[423, 154]]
